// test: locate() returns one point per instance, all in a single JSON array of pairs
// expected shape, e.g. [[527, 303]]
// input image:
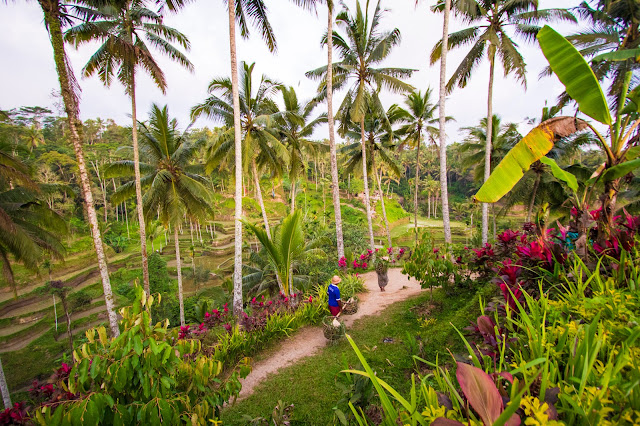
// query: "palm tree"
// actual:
[[295, 128], [287, 250], [122, 30], [488, 33], [333, 156], [173, 186], [53, 16], [257, 113], [380, 142], [4, 389], [504, 137], [29, 228], [364, 47], [239, 11], [419, 119], [444, 187]]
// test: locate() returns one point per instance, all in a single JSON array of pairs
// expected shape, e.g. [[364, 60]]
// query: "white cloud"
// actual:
[[28, 76]]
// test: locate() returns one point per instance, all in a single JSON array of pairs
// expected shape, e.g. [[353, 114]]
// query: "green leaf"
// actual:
[[137, 345], [561, 174], [632, 153], [634, 102], [575, 74], [535, 145], [620, 170], [619, 55]]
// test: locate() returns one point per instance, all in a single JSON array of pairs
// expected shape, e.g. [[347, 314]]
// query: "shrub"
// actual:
[[140, 377]]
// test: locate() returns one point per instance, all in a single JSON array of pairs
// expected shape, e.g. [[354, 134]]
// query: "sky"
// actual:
[[28, 77]]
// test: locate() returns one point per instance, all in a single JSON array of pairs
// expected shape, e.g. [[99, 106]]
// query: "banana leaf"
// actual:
[[535, 145], [561, 174], [575, 74], [620, 170], [619, 55]]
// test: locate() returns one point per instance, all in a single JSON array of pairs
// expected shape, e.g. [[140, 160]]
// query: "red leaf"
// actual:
[[480, 391], [485, 325]]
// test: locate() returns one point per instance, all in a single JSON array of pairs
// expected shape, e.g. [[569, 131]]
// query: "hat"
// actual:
[[336, 279]]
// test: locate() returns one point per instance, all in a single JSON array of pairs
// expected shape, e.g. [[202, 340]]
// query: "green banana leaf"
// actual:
[[561, 174], [619, 55], [634, 102], [620, 170], [535, 145], [632, 153], [575, 74]]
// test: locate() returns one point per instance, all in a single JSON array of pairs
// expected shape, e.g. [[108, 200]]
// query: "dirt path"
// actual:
[[310, 340]]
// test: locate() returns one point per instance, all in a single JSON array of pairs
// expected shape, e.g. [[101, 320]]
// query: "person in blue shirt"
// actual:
[[335, 304]]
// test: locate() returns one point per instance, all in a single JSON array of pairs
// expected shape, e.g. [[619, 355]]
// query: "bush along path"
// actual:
[[310, 340]]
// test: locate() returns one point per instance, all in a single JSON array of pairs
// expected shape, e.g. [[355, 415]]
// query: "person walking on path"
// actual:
[[335, 304]]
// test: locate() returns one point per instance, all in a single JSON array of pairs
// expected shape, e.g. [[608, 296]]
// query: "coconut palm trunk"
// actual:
[[6, 396], [293, 195], [442, 118], [237, 271], [417, 182], [367, 202], [63, 299], [487, 154], [256, 180], [51, 11], [136, 171], [335, 190], [384, 210], [533, 197], [179, 266]]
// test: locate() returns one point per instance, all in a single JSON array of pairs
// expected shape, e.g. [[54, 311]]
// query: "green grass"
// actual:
[[394, 210], [312, 384]]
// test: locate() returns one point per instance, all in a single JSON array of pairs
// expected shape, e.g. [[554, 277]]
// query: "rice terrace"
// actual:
[[306, 212]]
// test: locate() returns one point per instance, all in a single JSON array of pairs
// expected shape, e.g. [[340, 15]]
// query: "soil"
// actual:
[[309, 340]]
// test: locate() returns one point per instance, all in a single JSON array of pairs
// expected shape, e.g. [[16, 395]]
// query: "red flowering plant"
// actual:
[[510, 283], [622, 237], [483, 261], [16, 415], [489, 337], [49, 393]]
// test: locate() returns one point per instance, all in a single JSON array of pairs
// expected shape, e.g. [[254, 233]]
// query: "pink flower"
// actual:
[[286, 299], [364, 265], [574, 211], [355, 264], [263, 297], [390, 250], [435, 250], [207, 314], [310, 299], [362, 257], [269, 302], [253, 300], [261, 304]]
